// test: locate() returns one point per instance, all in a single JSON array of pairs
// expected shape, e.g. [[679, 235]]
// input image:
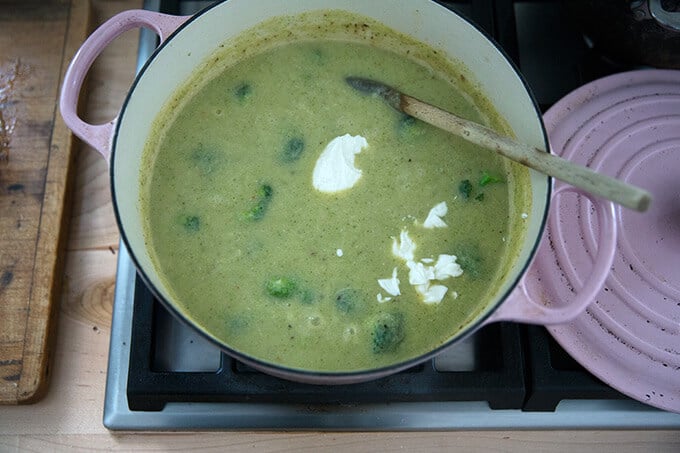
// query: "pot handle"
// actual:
[[520, 306], [99, 136]]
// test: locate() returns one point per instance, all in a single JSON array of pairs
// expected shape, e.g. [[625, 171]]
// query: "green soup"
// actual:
[[288, 274]]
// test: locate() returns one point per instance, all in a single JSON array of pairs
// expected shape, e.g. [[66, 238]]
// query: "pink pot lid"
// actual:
[[627, 126]]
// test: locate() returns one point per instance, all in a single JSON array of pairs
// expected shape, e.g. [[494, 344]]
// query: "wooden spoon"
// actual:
[[584, 178]]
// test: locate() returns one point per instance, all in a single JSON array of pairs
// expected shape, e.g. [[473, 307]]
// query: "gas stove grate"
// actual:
[[520, 368], [498, 377]]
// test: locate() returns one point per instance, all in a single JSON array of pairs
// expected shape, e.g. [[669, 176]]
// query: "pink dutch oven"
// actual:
[[526, 293]]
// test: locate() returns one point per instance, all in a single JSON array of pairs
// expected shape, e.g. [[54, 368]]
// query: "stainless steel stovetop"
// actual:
[[181, 352]]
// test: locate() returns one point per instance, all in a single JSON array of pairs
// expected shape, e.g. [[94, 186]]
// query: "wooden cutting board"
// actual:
[[37, 40]]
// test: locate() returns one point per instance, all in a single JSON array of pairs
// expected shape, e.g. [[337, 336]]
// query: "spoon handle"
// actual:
[[578, 176]]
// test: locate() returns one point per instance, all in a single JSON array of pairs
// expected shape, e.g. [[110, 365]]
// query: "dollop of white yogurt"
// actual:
[[334, 170]]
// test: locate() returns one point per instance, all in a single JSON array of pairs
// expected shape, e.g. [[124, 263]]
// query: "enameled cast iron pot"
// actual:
[[187, 41]]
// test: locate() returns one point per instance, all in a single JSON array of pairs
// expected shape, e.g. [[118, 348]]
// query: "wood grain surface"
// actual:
[[69, 418], [36, 41]]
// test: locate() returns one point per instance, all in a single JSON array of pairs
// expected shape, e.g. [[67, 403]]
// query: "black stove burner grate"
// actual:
[[516, 367], [552, 375], [498, 378]]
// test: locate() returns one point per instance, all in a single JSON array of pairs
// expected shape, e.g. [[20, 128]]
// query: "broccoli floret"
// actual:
[[488, 178], [409, 126], [318, 57], [239, 323], [265, 191], [243, 91], [191, 223], [387, 332], [470, 259], [465, 188], [292, 150], [286, 287], [307, 296], [256, 212], [406, 121], [204, 160], [281, 287], [262, 199], [348, 299]]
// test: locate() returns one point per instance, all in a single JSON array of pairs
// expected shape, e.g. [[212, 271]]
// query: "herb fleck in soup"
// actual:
[[337, 280]]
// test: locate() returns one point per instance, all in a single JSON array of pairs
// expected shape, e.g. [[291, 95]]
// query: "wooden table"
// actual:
[[69, 418]]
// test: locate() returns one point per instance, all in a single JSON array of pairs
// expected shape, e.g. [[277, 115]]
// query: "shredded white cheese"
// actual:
[[432, 294], [334, 170], [403, 248], [434, 217], [391, 285], [446, 267], [382, 299], [422, 274], [419, 274]]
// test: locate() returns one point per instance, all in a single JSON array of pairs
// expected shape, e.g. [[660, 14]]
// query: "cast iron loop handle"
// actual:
[[99, 136], [520, 306]]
